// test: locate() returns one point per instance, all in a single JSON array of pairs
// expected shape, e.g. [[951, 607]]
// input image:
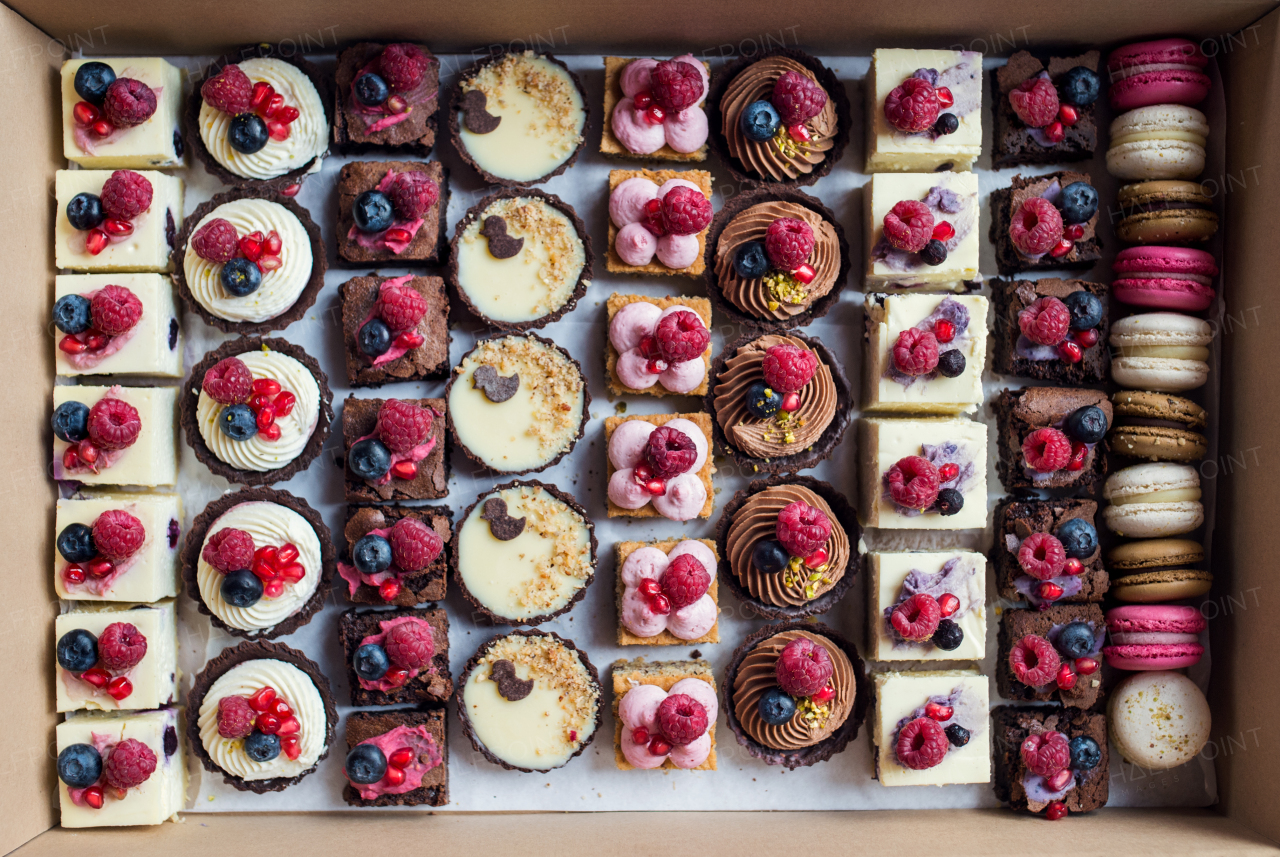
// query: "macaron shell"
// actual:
[[1162, 374], [1157, 619], [1158, 720], [1175, 51], [1156, 159], [1158, 444], [1164, 293], [1153, 520], [1188, 225], [1144, 479], [1159, 586], [1161, 328], [1156, 554], [1165, 86], [1153, 657], [1173, 261]]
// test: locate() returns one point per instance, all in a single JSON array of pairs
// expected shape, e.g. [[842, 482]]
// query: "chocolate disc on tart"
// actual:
[[404, 120]]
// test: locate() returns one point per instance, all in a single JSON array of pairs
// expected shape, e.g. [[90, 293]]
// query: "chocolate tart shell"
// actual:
[[376, 723], [354, 625], [199, 529], [190, 393], [421, 587], [340, 136], [232, 657]]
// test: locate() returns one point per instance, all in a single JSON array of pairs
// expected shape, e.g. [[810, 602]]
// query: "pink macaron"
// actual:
[[1167, 71], [1153, 637], [1173, 278]]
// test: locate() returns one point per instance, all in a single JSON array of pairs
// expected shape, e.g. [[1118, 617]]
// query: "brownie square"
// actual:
[[1015, 520], [1020, 412], [1011, 724], [1012, 142], [1016, 624], [434, 791], [360, 418], [428, 244], [419, 588], [428, 362], [434, 686], [412, 136], [1006, 201], [1013, 349]]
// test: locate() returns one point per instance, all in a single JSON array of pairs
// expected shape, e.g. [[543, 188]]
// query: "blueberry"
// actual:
[[1085, 753], [240, 277], [71, 314], [957, 735], [261, 747], [75, 543], [79, 766], [751, 262], [934, 253], [948, 637], [372, 211], [1079, 86], [1086, 310], [1075, 640], [365, 763], [371, 554], [1078, 202], [760, 121], [1087, 424], [371, 90], [369, 459], [247, 133], [776, 707], [769, 556], [71, 421], [241, 588], [1079, 538], [371, 662], [947, 123], [762, 401], [374, 338], [92, 80], [84, 211], [950, 501], [238, 422], [951, 363], [77, 650]]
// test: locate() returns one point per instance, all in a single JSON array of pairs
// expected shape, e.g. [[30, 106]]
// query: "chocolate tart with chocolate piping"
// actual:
[[419, 587], [482, 614], [808, 456], [474, 213], [717, 281], [471, 664], [838, 738], [363, 725], [845, 532], [189, 396], [199, 530], [234, 657], [414, 136], [715, 108]]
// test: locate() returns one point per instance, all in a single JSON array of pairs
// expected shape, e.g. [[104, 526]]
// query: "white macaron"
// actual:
[[1158, 720], [1162, 141], [1154, 500], [1166, 352]]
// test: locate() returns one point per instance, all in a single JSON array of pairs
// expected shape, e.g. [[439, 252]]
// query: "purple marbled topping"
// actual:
[[955, 578], [971, 714], [928, 75], [966, 97], [947, 452], [953, 311], [1028, 350], [944, 200], [1037, 788]]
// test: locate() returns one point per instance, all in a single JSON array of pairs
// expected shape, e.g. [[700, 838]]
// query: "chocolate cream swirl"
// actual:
[[770, 438], [766, 158], [756, 521], [758, 672], [753, 296]]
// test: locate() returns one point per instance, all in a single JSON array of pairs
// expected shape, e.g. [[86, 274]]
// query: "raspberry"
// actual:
[[912, 106], [216, 241], [797, 97], [909, 225], [685, 211], [1042, 556], [682, 336], [414, 545], [115, 310], [915, 352], [235, 717], [129, 764], [670, 452], [125, 195], [228, 382], [1035, 227], [916, 618], [403, 66], [114, 424], [121, 646], [802, 529], [682, 718], [117, 534], [788, 243], [1046, 754], [401, 307], [410, 645], [1035, 101], [1034, 661], [914, 482], [403, 425], [412, 195], [922, 743], [230, 90], [128, 102], [1046, 450], [229, 549], [685, 581], [787, 368], [804, 667], [675, 85], [1045, 322]]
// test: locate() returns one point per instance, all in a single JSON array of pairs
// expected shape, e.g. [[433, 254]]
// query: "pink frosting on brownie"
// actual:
[[379, 240], [426, 755], [386, 625]]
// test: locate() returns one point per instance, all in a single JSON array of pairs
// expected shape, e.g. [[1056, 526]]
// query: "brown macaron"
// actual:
[[1158, 427], [1152, 571], [1166, 212]]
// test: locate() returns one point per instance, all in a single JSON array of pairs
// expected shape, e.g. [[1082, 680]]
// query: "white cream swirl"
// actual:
[[308, 134], [272, 525], [257, 453], [291, 684], [280, 288]]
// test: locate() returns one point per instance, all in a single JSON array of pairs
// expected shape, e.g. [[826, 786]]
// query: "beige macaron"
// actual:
[[1155, 500], [1158, 720], [1156, 571], [1167, 352], [1163, 141]]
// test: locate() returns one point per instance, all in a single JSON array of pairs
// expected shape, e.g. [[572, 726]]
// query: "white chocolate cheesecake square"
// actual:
[[968, 573], [882, 443], [152, 572], [891, 150], [146, 249], [157, 142], [888, 268], [901, 696], [154, 345], [152, 459], [154, 678]]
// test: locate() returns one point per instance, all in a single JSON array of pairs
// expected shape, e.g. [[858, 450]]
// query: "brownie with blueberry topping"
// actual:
[[1068, 346], [1087, 787], [416, 587], [421, 659], [1047, 656], [368, 726], [1071, 524], [380, 219], [371, 466], [1052, 437], [1067, 203], [394, 106], [1072, 132], [376, 353]]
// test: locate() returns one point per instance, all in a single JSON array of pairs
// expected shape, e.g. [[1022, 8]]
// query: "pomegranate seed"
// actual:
[[267, 723], [948, 604], [1086, 666], [1055, 133], [95, 241], [656, 367], [799, 132], [659, 747], [93, 796], [291, 190], [269, 386], [272, 242], [85, 113], [250, 248], [826, 693], [944, 331], [291, 747], [1074, 231], [287, 115], [258, 401], [401, 758], [99, 567], [1073, 567], [938, 711], [286, 553], [1086, 338], [102, 128], [1079, 452], [805, 273], [650, 587], [1059, 781], [1048, 591], [640, 735], [284, 405], [405, 470], [1070, 351], [948, 471], [94, 340], [274, 103], [267, 263], [409, 340], [1068, 114], [1066, 677], [262, 92], [293, 572], [289, 726], [271, 433], [944, 231], [654, 115], [660, 605], [119, 688], [265, 417], [397, 677], [118, 228], [273, 588], [97, 676], [70, 345], [656, 487], [945, 98], [264, 571], [262, 699], [389, 589], [643, 100], [397, 104], [73, 575], [397, 233], [817, 559], [1056, 810], [394, 776], [643, 473], [69, 458], [791, 402], [280, 708], [1062, 248]]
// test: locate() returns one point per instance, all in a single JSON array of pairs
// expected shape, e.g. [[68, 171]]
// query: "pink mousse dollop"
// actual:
[[685, 494], [635, 244], [426, 755], [633, 323], [395, 352], [354, 577], [639, 709], [684, 132], [687, 623]]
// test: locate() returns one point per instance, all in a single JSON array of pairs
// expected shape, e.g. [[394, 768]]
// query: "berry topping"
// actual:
[[913, 482], [413, 194], [262, 747], [77, 650], [79, 766], [410, 644], [1086, 313], [937, 711], [370, 662], [922, 743], [763, 401], [370, 89], [804, 667], [75, 543], [948, 123], [369, 459], [951, 363], [216, 241], [114, 424], [1035, 100], [125, 195], [129, 764], [247, 133], [684, 582], [374, 338], [71, 421], [769, 556], [372, 211], [957, 735], [92, 80], [238, 422], [414, 545], [229, 90], [1087, 424], [797, 97], [366, 764], [1079, 86], [685, 211], [676, 85], [229, 549], [1076, 640], [84, 211], [118, 535], [913, 106], [802, 529], [751, 261], [670, 452], [1045, 322], [128, 102], [1085, 753], [909, 225], [787, 368], [1079, 538], [403, 66], [681, 336], [917, 618], [403, 425], [228, 382], [1035, 227], [934, 253], [240, 277], [401, 307], [1046, 450], [1056, 810], [788, 243], [776, 707], [760, 121], [948, 637], [1046, 754], [115, 310], [241, 588], [1078, 202], [948, 604], [1034, 660], [235, 717], [915, 352], [1041, 556], [682, 718]]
